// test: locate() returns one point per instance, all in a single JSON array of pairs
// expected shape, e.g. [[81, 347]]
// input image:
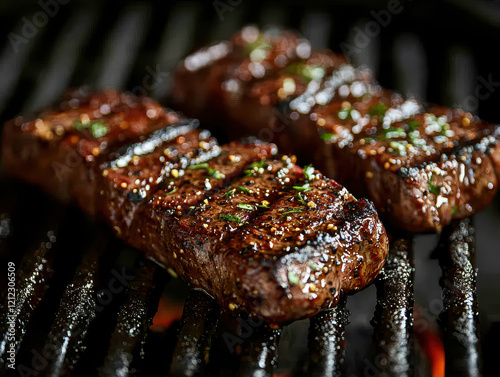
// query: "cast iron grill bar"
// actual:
[[198, 325], [393, 319], [133, 321], [76, 312], [260, 355], [459, 318], [326, 342], [34, 272]]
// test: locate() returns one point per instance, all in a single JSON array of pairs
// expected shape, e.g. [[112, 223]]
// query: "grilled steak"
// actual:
[[254, 230], [421, 165]]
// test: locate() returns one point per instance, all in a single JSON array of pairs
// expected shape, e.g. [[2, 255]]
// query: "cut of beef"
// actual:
[[257, 232], [421, 165]]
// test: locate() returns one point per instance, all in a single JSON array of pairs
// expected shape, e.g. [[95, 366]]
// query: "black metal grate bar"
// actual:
[[77, 308], [327, 341], [459, 318], [260, 356], [198, 325], [32, 276], [133, 321], [393, 319]]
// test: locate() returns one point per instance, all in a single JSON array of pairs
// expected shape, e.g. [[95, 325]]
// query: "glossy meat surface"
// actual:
[[421, 165], [250, 227]]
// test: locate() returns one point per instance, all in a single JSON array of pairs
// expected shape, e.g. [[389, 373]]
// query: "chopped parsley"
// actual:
[[306, 72], [198, 166], [327, 136], [392, 133], [301, 199], [293, 278], [413, 125], [258, 48], [231, 218], [313, 266], [454, 210], [230, 193], [255, 167], [397, 148], [378, 110], [309, 172], [295, 210], [96, 127], [345, 113], [215, 173], [244, 189], [171, 192], [304, 188], [433, 188], [414, 134], [248, 207]]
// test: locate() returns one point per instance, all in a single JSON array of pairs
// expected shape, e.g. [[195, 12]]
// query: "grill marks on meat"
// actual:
[[254, 230], [290, 259], [421, 165], [59, 149]]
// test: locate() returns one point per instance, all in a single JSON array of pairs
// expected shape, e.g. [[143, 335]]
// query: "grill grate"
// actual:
[[109, 45], [100, 312]]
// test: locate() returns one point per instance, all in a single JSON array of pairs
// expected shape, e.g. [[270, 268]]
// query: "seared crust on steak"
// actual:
[[421, 165], [248, 226]]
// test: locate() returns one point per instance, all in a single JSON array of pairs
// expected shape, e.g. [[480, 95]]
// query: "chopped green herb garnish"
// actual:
[[345, 113], [309, 172], [314, 267], [413, 125], [301, 199], [79, 125], [378, 110], [232, 218], [96, 127], [313, 72], [327, 136], [304, 188], [198, 166], [230, 193], [261, 44], [244, 189], [397, 148], [454, 210], [293, 278], [255, 167], [263, 206], [257, 164], [295, 210], [171, 192], [215, 173], [305, 71], [392, 133], [433, 188], [248, 207]]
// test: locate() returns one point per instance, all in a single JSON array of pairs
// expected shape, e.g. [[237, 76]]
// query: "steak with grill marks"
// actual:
[[421, 165], [257, 232]]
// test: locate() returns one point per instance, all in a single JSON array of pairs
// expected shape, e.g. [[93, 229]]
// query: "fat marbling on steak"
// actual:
[[250, 227]]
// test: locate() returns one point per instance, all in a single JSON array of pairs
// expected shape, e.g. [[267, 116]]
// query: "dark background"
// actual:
[[441, 51]]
